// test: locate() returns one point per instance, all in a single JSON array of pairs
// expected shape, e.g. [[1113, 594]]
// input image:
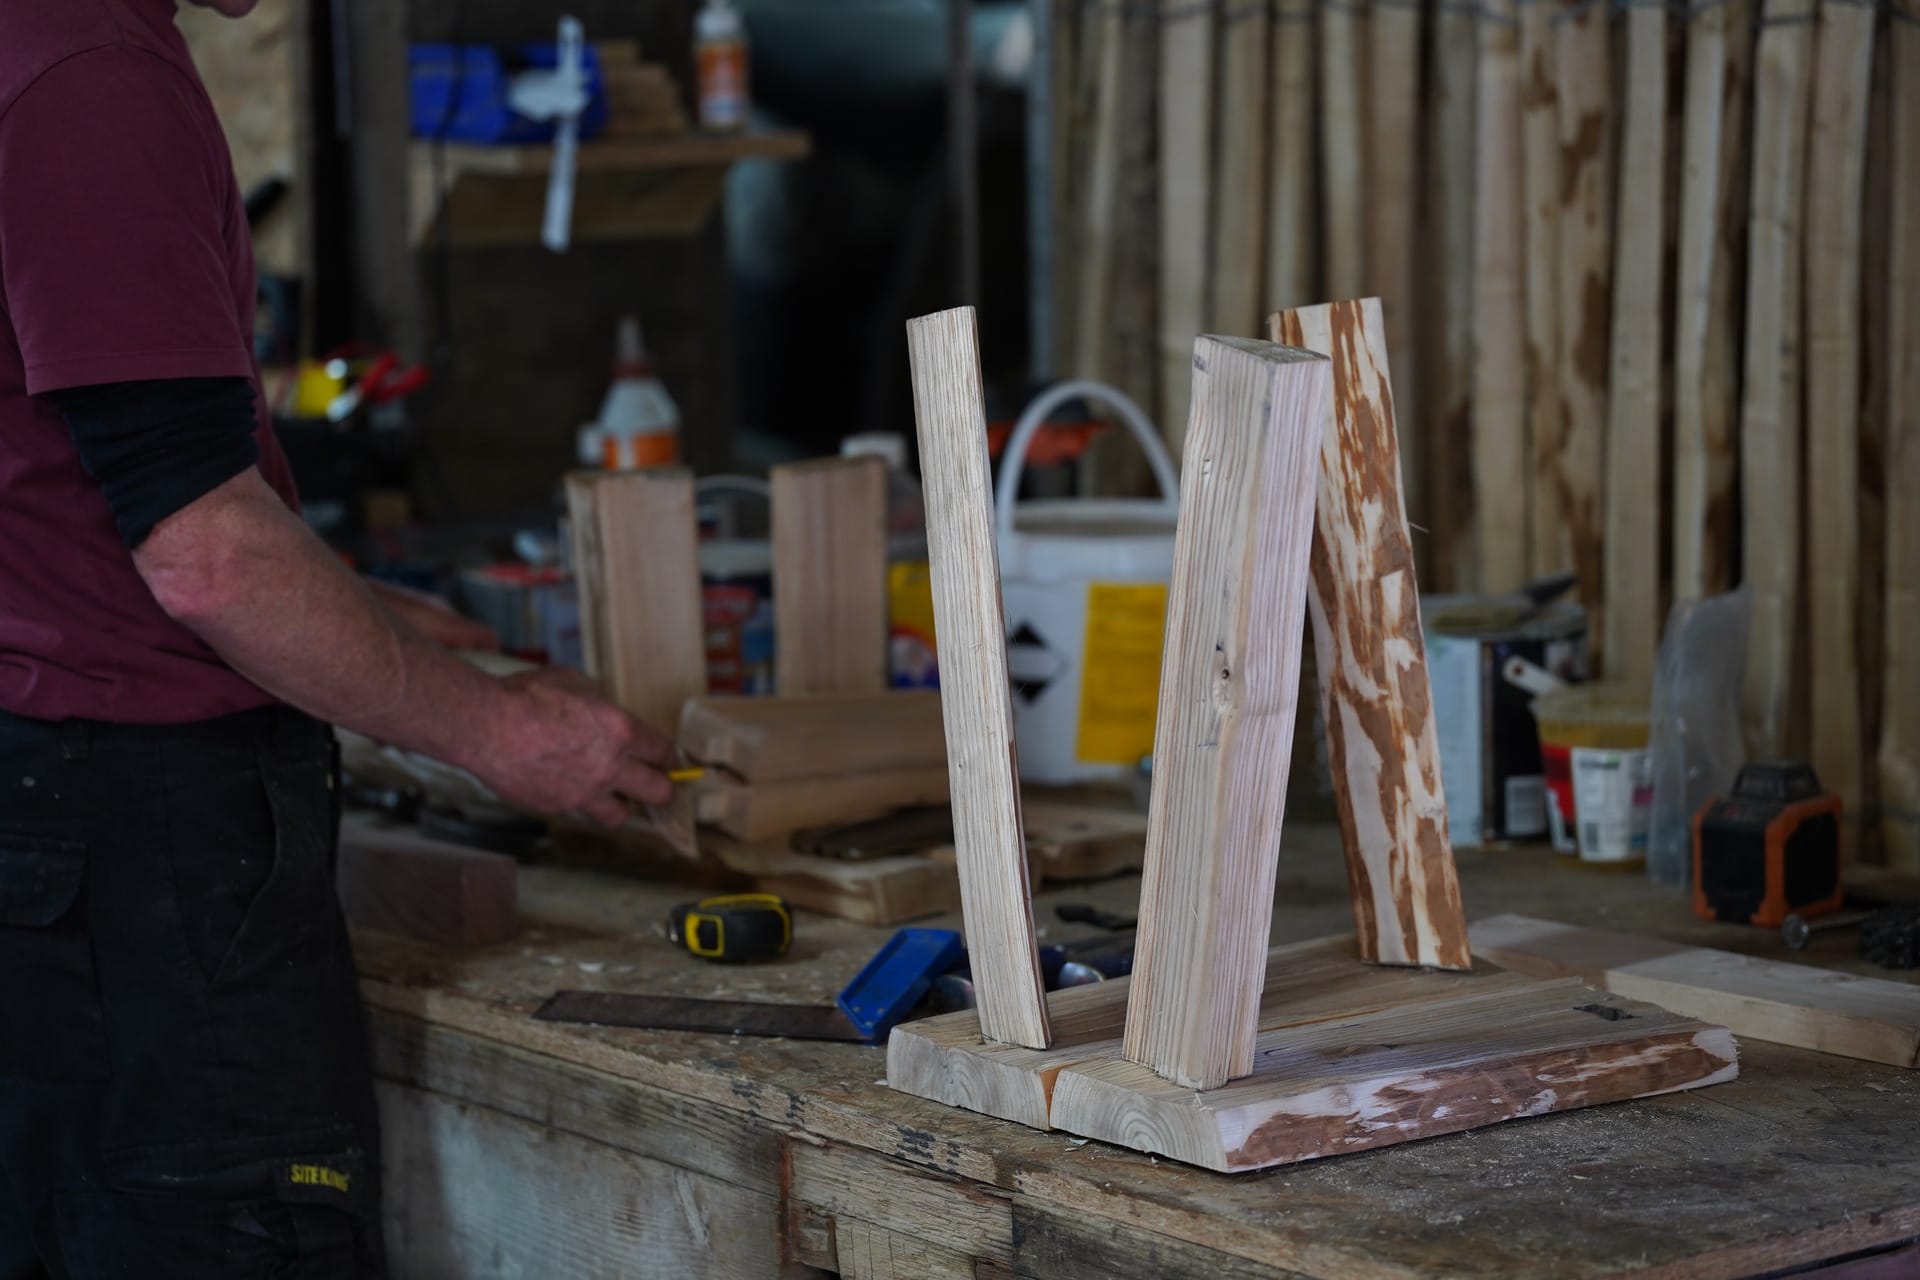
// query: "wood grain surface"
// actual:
[[975, 696], [829, 538], [1229, 681], [1383, 746]]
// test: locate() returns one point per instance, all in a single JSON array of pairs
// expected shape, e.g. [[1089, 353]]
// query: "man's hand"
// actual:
[[559, 747], [434, 618], [248, 577]]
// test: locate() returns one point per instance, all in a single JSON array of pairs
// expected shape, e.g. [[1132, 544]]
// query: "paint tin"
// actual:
[[1490, 757]]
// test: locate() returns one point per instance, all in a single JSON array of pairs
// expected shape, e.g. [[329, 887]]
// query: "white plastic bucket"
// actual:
[[1084, 582]]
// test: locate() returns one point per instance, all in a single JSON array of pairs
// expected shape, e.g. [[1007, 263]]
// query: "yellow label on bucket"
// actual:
[[1120, 670]]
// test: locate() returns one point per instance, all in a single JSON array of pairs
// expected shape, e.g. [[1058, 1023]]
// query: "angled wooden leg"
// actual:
[[975, 697], [1228, 685], [1382, 743]]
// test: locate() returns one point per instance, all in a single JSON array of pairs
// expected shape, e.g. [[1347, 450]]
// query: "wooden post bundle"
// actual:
[[975, 696], [1383, 744], [1548, 547], [1581, 68], [1343, 132], [1499, 313], [1770, 436], [830, 576], [636, 560], [1228, 686], [1836, 172], [1291, 257], [1240, 195], [1446, 379], [1705, 341], [1900, 695], [1631, 636], [1186, 182]]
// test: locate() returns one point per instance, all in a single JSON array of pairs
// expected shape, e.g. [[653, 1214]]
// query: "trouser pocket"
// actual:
[[189, 1212], [50, 1021]]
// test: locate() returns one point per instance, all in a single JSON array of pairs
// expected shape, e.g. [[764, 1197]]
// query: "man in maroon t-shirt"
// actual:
[[180, 1037]]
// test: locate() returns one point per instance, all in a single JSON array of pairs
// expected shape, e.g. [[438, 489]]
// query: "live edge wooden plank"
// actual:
[[829, 538], [1899, 763], [1795, 1004], [1771, 459], [1634, 485], [1402, 1073], [1383, 744], [1836, 172], [976, 699], [1500, 455], [774, 739], [1229, 682]]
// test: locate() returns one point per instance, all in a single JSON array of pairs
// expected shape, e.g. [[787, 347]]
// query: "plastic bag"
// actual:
[[1695, 737]]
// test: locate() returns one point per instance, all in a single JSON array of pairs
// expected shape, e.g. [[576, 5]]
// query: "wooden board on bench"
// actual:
[[1348, 1056]]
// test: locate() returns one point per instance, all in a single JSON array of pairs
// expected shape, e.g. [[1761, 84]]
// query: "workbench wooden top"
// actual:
[[1805, 1158]]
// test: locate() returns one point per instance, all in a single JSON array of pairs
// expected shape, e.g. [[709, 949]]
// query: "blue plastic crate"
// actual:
[[459, 93]]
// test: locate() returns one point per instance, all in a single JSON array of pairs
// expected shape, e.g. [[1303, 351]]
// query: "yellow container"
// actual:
[[1593, 746]]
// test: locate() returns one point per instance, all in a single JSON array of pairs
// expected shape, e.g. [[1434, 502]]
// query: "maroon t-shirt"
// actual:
[[124, 256]]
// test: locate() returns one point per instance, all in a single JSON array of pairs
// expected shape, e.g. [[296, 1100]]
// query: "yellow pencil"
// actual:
[[685, 775]]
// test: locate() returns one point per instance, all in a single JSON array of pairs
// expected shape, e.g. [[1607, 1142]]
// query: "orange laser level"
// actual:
[[1769, 850]]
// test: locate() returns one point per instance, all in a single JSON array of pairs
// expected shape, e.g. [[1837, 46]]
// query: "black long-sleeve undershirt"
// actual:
[[157, 446]]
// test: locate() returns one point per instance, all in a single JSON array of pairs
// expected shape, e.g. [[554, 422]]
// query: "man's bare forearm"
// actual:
[[247, 576]]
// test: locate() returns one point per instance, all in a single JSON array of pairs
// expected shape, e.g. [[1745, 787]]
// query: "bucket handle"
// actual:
[[1014, 462]]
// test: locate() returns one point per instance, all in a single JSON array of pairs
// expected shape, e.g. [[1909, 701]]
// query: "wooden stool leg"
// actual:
[[1229, 681], [1382, 743], [975, 697]]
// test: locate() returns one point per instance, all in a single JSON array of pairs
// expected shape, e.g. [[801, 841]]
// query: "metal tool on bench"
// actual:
[[734, 928], [909, 831], [887, 989], [1070, 964]]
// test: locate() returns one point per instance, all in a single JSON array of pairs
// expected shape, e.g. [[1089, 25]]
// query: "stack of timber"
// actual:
[[643, 98], [1653, 268]]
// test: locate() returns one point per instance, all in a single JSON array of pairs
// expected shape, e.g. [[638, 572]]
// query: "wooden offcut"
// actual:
[[1500, 453], [1229, 681], [1786, 1003], [636, 560], [1584, 84], [1899, 762], [1352, 1057], [1836, 172], [975, 696], [771, 739], [829, 539], [759, 810], [401, 882], [1771, 465], [1630, 637], [1706, 389], [1383, 746]]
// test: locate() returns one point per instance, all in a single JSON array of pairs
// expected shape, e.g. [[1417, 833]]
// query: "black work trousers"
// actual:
[[184, 1085]]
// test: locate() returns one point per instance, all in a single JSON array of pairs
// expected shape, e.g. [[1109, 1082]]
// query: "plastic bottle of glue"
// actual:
[[720, 60], [639, 424]]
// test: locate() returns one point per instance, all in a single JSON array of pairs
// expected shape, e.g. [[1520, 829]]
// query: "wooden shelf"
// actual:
[[627, 189], [627, 155]]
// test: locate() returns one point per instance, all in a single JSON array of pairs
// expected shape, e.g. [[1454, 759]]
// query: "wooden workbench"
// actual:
[[520, 1148]]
